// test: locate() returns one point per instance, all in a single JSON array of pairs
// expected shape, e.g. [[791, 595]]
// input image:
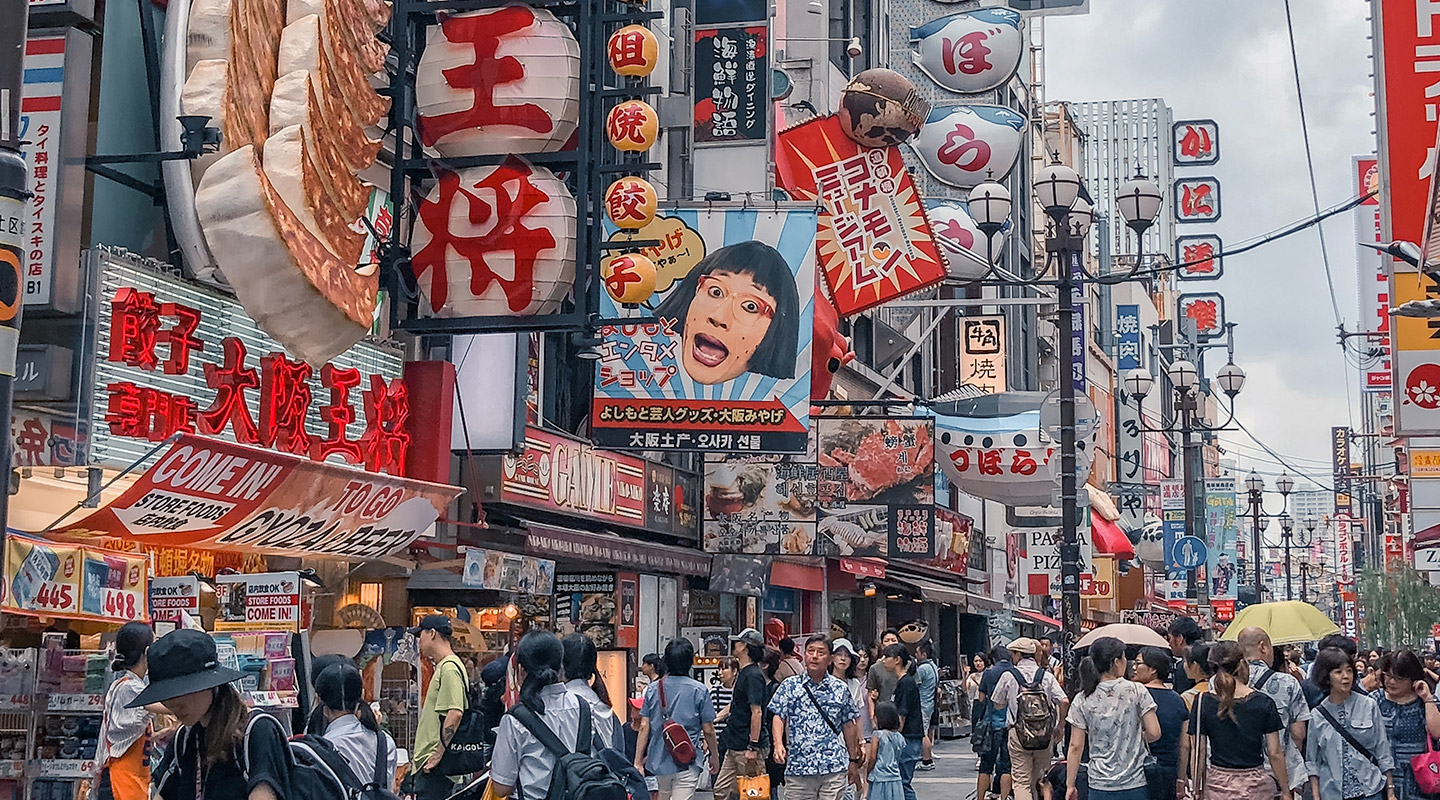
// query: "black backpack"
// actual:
[[469, 748], [578, 775], [319, 772]]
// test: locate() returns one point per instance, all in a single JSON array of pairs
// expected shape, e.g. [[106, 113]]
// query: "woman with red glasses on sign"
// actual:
[[737, 311]]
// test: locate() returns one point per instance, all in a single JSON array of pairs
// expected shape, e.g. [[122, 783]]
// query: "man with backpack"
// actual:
[[1289, 700], [442, 709], [1035, 706]]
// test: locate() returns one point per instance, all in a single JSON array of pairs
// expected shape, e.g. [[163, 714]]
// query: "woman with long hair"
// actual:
[[1111, 714], [1407, 704], [770, 667], [1347, 748], [520, 760], [898, 660], [582, 680], [1241, 728], [213, 756], [125, 732], [350, 723], [1152, 670]]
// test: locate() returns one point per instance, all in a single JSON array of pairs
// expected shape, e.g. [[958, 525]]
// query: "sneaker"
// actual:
[[925, 766]]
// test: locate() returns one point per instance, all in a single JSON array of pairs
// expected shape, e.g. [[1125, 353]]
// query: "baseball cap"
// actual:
[[434, 622], [749, 636]]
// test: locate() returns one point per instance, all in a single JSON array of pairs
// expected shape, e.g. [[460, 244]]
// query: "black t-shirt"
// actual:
[[907, 701], [749, 691], [266, 751], [1170, 711], [1238, 743], [1178, 679]]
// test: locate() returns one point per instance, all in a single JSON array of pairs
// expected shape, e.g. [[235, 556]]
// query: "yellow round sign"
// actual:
[[633, 126], [629, 278], [634, 51], [630, 203]]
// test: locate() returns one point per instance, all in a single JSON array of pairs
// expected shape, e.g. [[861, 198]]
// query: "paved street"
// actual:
[[954, 775]]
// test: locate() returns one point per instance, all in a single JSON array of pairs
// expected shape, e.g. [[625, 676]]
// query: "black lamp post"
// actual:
[[1287, 530], [1259, 520]]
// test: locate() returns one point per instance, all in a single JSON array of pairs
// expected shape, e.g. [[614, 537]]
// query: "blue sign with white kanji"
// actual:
[[1127, 336]]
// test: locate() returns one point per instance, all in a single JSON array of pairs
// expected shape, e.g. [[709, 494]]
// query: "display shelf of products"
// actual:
[[70, 690]]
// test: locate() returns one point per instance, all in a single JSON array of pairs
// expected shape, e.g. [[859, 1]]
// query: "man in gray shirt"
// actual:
[[1288, 696]]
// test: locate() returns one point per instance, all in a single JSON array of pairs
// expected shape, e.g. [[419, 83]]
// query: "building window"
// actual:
[[366, 593]]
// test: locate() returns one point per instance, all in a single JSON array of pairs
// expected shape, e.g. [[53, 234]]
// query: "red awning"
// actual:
[[797, 576], [1108, 538], [1038, 618]]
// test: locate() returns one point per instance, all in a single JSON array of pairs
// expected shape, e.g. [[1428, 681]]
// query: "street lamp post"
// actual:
[[1287, 530], [1058, 191], [1259, 520], [1185, 378]]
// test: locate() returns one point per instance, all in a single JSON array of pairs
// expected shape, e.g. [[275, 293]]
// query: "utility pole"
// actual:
[[13, 194]]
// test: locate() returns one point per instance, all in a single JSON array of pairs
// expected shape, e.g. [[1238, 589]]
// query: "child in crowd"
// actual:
[[882, 757]]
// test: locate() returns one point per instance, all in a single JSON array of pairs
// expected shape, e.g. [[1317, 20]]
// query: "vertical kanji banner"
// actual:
[[732, 82], [216, 495], [725, 365]]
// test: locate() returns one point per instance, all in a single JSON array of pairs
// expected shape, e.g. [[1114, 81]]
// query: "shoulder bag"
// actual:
[[1199, 754], [677, 739], [1426, 767], [1347, 735], [805, 681]]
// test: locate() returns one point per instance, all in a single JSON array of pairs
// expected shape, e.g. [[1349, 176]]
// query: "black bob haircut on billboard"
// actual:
[[776, 353]]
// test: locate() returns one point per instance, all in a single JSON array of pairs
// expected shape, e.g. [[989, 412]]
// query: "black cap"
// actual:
[[340, 687], [183, 662], [434, 622]]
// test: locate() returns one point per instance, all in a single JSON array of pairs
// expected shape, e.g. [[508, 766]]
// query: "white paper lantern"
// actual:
[[502, 80], [964, 146], [962, 243], [970, 52], [495, 241]]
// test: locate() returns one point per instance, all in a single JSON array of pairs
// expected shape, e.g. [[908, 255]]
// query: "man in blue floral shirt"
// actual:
[[815, 729]]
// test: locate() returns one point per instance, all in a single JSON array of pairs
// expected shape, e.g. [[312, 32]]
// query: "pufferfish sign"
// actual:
[[722, 362]]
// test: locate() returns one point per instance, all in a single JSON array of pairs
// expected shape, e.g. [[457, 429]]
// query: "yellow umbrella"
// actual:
[[1287, 622]]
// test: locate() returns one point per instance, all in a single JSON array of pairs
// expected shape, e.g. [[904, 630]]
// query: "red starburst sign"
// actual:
[[875, 243]]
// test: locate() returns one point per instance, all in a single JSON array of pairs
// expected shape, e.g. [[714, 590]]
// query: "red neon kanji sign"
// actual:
[[230, 380]]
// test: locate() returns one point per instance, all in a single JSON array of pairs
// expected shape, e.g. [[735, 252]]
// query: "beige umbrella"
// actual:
[[1135, 635]]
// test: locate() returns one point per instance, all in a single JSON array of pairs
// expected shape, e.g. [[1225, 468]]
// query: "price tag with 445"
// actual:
[[56, 597]]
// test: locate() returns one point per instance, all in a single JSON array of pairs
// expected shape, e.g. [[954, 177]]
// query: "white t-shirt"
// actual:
[[1111, 720]]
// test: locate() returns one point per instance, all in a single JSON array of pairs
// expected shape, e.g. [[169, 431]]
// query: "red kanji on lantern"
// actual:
[[1198, 257], [515, 195], [338, 415], [627, 124], [385, 441], [489, 71], [230, 379], [284, 402], [1199, 200], [1196, 142], [134, 321], [626, 202], [626, 48]]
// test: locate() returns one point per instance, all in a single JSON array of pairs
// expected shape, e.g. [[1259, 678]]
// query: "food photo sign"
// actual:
[[718, 359], [855, 495]]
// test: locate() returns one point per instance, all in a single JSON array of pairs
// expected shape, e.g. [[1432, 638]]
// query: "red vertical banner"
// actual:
[[627, 588]]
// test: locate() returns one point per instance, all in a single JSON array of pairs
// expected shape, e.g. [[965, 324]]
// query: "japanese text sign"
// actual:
[[1197, 142], [1129, 451], [970, 52], [1340, 469], [1207, 309], [1127, 337], [267, 601], [732, 79], [44, 440], [999, 459], [1372, 277], [1197, 199], [725, 365], [964, 146], [217, 495], [67, 581], [982, 353], [1172, 507], [172, 596], [1199, 257], [1221, 535], [175, 357], [912, 532], [875, 241], [560, 474]]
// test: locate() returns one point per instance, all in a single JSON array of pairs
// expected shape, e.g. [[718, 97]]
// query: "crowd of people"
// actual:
[[1231, 720]]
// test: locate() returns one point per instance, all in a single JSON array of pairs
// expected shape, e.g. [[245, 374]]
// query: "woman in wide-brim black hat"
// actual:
[[204, 762]]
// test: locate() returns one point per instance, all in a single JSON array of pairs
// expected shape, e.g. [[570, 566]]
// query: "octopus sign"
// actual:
[[964, 146], [970, 52]]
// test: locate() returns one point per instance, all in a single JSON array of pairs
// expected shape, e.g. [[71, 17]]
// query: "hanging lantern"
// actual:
[[501, 80], [630, 203], [633, 126], [634, 51], [629, 278], [496, 241]]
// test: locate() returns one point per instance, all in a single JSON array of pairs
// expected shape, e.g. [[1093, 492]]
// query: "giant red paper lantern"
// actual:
[[496, 241], [501, 80], [632, 126]]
